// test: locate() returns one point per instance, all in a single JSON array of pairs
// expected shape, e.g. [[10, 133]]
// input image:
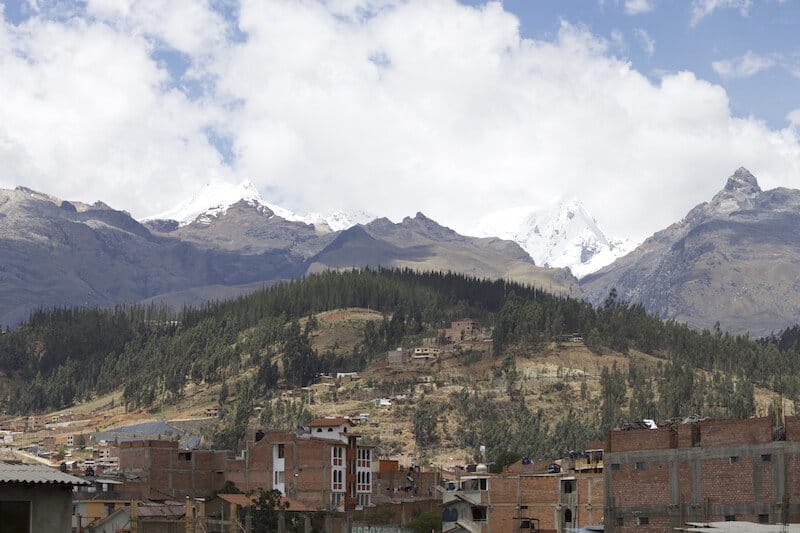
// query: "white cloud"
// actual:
[[794, 118], [86, 115], [392, 107], [744, 66], [700, 9], [637, 7], [189, 26], [647, 42]]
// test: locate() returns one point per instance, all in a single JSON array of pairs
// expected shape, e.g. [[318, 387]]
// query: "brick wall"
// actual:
[[725, 432], [640, 439]]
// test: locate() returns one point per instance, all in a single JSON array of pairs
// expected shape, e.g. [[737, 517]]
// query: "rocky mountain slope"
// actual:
[[565, 236], [734, 260], [59, 253], [422, 244]]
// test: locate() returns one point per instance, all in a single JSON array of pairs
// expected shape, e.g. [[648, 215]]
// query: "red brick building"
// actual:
[[703, 471], [526, 498], [321, 467], [159, 470]]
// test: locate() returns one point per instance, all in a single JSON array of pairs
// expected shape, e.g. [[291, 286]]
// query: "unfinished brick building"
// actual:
[[547, 502], [159, 470], [703, 471], [321, 467]]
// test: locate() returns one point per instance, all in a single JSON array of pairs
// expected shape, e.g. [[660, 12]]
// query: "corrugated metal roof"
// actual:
[[37, 474]]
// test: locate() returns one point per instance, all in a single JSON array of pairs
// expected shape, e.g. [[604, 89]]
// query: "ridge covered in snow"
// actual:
[[217, 196], [565, 236]]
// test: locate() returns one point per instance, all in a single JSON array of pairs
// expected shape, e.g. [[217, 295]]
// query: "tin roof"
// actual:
[[10, 473]]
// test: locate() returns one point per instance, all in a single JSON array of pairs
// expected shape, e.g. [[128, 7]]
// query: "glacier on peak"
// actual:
[[217, 196], [565, 235]]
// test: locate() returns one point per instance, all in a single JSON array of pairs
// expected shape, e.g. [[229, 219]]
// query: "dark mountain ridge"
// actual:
[[734, 260]]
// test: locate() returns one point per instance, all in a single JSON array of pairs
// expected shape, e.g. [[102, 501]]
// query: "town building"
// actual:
[[545, 497], [322, 466], [36, 498], [159, 470], [703, 471], [397, 357], [426, 352], [461, 330]]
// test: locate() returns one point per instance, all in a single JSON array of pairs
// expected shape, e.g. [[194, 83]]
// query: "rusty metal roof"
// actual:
[[10, 473]]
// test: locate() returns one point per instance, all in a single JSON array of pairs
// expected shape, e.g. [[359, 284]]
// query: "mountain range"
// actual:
[[566, 235], [60, 253], [732, 261]]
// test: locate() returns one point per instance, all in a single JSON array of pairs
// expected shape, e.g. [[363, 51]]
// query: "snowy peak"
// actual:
[[566, 235], [340, 220], [216, 197]]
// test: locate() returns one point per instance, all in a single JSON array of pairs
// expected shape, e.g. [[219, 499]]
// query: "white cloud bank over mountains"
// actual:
[[389, 106]]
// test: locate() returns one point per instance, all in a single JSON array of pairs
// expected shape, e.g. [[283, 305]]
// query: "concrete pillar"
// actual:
[[189, 516], [233, 518], [281, 521], [134, 516]]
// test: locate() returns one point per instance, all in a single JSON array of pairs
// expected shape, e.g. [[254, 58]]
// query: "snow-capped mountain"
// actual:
[[340, 220], [217, 196], [566, 235]]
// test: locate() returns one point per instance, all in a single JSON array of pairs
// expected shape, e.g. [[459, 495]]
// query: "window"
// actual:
[[639, 466], [319, 430], [364, 500], [767, 457], [344, 429], [16, 516], [363, 458], [259, 435], [566, 487], [338, 480], [734, 459], [186, 456], [336, 499], [479, 514], [482, 484], [642, 521], [363, 481], [621, 521], [330, 430], [450, 514], [525, 524], [763, 519], [337, 456], [614, 466], [281, 451], [730, 518], [279, 477], [568, 516]]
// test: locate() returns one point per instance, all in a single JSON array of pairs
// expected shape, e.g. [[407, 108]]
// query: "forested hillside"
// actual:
[[62, 356]]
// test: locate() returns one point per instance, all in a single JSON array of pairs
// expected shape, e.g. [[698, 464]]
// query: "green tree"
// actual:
[[424, 423], [266, 510]]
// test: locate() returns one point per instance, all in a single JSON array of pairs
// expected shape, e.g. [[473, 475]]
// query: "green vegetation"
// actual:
[[261, 342]]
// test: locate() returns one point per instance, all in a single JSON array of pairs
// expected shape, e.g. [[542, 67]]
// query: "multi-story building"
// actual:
[[703, 471], [463, 329], [541, 498], [321, 466], [159, 470]]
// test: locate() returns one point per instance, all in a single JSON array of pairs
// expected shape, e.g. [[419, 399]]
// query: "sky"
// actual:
[[639, 108]]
